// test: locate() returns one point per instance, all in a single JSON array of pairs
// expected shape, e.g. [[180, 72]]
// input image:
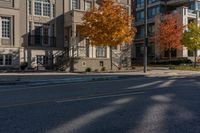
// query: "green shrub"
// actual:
[[88, 69], [187, 68], [177, 61], [103, 69], [96, 70]]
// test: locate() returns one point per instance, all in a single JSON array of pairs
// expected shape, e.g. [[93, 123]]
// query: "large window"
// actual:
[[30, 7], [42, 60], [75, 4], [88, 5], [152, 12], [42, 7], [140, 15], [152, 1], [140, 3], [101, 52], [5, 60], [41, 34], [46, 9], [1, 60], [38, 8], [5, 27]]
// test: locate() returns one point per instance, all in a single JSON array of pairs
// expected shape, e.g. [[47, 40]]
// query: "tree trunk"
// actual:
[[195, 58], [170, 56], [72, 61], [111, 63]]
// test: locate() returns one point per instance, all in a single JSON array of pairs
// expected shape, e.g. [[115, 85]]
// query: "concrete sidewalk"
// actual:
[[62, 78]]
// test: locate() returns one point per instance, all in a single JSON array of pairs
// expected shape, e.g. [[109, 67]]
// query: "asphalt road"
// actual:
[[133, 105]]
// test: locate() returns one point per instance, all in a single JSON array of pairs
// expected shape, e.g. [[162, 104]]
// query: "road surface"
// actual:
[[134, 105]]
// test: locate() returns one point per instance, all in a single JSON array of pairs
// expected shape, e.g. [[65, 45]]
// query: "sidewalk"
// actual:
[[63, 78]]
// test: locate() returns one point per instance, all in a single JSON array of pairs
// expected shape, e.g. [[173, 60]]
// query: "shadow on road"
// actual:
[[168, 106]]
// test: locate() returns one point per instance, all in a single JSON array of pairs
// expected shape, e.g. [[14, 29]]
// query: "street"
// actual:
[[139, 104]]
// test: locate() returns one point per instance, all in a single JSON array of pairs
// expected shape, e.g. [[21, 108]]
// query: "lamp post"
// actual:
[[145, 37]]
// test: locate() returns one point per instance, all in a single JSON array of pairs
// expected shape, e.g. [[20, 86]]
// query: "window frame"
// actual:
[[48, 8], [101, 52], [5, 60], [3, 33], [77, 6]]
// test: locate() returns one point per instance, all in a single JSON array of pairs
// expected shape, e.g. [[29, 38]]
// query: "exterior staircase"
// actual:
[[122, 59]]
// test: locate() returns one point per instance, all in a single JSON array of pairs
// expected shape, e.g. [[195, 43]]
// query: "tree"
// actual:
[[169, 32], [191, 39], [109, 25]]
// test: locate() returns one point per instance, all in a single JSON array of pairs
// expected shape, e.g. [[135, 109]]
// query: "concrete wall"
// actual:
[[91, 63]]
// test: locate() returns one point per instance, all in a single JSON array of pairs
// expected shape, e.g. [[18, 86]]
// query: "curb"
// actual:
[[59, 81]]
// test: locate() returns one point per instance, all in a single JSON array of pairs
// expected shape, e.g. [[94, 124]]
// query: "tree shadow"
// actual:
[[169, 106]]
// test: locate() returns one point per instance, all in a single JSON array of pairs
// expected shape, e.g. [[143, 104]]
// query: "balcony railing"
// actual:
[[41, 41]]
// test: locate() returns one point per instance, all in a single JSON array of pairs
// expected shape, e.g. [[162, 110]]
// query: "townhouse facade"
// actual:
[[188, 10], [45, 34]]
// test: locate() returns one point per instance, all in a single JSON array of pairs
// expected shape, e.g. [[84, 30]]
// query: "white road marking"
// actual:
[[71, 100], [166, 83], [144, 85], [98, 97]]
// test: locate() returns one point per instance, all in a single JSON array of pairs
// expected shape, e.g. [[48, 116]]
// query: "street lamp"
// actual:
[[145, 37]]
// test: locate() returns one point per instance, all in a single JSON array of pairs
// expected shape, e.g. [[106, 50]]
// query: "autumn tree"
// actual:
[[169, 30], [108, 25], [191, 39]]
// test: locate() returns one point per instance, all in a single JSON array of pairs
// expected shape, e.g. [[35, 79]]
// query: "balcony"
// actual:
[[177, 2], [41, 41], [73, 16], [192, 14]]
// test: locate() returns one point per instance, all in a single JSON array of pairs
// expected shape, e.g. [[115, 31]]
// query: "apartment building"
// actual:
[[45, 33], [188, 9], [9, 33]]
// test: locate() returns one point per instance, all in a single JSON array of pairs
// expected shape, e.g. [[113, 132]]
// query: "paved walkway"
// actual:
[[56, 77]]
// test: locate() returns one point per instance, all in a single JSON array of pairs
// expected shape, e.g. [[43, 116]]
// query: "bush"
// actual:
[[23, 65], [177, 61], [88, 69], [103, 69], [187, 68], [96, 70]]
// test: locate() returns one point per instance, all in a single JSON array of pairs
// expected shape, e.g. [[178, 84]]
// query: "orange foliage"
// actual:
[[169, 32], [110, 25]]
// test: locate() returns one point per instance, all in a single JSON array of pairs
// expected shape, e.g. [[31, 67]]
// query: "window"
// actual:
[[140, 16], [140, 32], [5, 27], [152, 1], [38, 33], [38, 10], [140, 3], [88, 5], [46, 9], [151, 29], [190, 53], [42, 8], [42, 60], [152, 12], [46, 35], [30, 27], [101, 52], [75, 4], [1, 60], [30, 7], [6, 59], [54, 10]]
